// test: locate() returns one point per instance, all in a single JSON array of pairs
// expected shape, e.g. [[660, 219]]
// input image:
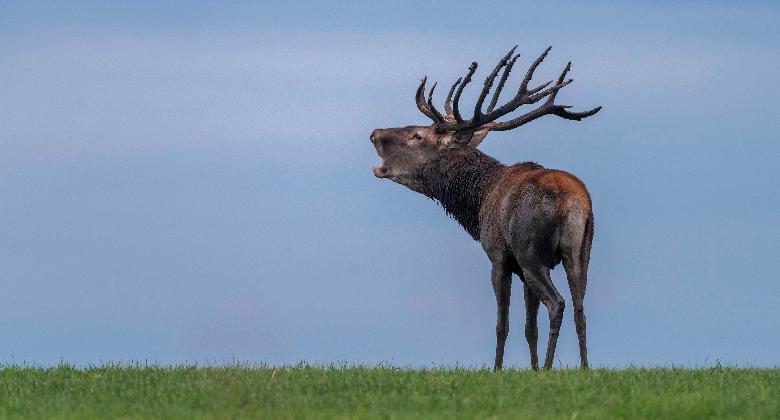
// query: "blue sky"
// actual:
[[190, 181]]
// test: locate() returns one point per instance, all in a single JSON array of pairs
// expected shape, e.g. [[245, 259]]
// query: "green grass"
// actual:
[[384, 392]]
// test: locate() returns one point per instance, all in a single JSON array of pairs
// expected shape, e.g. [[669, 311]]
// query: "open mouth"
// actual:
[[380, 171]]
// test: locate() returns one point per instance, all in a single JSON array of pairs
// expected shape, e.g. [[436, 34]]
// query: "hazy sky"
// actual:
[[187, 181]]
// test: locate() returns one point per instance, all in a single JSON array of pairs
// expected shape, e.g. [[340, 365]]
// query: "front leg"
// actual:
[[502, 287]]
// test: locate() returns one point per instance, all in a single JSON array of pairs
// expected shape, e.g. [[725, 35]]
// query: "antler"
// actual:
[[453, 121]]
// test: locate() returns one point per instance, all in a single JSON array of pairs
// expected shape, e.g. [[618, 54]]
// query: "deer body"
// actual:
[[527, 218]]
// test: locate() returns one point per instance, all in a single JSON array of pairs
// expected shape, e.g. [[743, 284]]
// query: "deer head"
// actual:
[[405, 150]]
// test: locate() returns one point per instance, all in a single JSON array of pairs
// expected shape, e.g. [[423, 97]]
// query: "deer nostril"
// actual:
[[373, 135]]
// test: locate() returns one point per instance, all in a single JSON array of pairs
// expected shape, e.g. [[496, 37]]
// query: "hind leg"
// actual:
[[575, 261], [531, 330], [576, 276], [538, 280]]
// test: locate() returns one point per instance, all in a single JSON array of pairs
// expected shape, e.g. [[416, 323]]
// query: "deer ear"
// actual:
[[468, 137], [477, 137]]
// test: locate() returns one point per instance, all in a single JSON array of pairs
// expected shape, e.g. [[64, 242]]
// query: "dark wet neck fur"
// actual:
[[460, 181]]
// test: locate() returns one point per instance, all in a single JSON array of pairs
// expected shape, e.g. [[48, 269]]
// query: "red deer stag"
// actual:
[[527, 218]]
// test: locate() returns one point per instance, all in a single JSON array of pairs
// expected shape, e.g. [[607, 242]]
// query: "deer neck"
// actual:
[[460, 180]]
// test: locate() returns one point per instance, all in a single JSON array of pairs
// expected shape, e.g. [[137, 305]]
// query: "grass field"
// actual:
[[369, 392]]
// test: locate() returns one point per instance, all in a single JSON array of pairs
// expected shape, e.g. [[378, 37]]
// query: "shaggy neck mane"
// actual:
[[460, 181]]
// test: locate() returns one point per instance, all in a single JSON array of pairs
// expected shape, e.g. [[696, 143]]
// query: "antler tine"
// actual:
[[420, 100], [576, 116], [448, 102], [530, 73], [466, 80], [522, 93], [488, 84], [549, 106], [550, 92], [538, 88], [561, 110], [501, 82], [431, 107], [560, 82]]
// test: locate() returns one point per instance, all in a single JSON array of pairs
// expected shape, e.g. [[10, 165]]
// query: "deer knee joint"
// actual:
[[556, 311], [531, 332]]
